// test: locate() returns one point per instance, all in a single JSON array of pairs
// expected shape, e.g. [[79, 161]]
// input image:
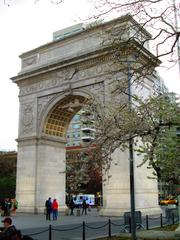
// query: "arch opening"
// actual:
[[59, 117], [59, 120]]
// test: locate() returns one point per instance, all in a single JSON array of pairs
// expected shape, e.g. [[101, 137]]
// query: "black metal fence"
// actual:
[[141, 223]]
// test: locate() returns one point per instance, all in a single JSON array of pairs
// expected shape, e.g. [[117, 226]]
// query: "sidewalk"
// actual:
[[28, 221]]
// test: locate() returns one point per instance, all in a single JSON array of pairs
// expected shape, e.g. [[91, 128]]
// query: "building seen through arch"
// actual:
[[79, 135]]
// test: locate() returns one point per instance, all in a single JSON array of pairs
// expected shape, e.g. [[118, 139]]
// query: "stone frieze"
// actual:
[[65, 79]]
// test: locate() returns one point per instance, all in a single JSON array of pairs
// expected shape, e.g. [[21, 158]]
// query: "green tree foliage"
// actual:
[[148, 124], [7, 167], [7, 176], [166, 160], [80, 173], [7, 186], [77, 172]]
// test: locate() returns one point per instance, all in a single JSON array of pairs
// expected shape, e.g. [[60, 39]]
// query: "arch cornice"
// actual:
[[82, 61], [103, 54]]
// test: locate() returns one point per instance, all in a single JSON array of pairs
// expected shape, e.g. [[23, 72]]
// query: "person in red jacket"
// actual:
[[55, 209]]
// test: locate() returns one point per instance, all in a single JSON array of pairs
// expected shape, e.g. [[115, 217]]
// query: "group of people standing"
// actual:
[[8, 206], [72, 205], [51, 208]]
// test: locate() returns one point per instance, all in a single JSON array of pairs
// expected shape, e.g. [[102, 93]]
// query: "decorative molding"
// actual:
[[29, 61], [27, 118], [42, 102], [68, 74], [65, 77], [39, 86], [41, 106]]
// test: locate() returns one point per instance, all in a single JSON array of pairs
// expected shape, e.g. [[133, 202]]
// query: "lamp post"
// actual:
[[131, 163], [131, 153]]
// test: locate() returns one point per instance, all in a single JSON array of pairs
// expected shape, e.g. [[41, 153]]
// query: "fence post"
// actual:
[[109, 225], [84, 236], [161, 220], [172, 218], [147, 223], [50, 232], [129, 224]]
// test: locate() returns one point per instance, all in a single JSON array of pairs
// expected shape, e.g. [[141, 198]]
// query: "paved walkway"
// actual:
[[24, 221], [27, 221]]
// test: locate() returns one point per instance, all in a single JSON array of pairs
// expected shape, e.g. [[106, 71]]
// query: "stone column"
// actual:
[[51, 164], [40, 173], [116, 189], [26, 174], [116, 186], [146, 188]]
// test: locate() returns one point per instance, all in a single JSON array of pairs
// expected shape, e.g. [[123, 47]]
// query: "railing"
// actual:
[[159, 221]]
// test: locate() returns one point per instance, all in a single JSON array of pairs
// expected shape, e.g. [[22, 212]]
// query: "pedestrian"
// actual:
[[84, 207], [14, 206], [2, 206], [72, 205], [55, 209], [48, 205], [7, 207], [9, 231]]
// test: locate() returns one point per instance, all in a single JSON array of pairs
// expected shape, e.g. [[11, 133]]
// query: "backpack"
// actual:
[[16, 205], [48, 204], [16, 235], [26, 237]]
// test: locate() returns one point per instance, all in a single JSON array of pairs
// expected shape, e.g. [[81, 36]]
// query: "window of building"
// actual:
[[76, 126], [76, 117], [178, 131], [76, 135]]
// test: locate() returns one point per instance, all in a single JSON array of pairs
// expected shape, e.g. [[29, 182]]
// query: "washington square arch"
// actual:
[[71, 69]]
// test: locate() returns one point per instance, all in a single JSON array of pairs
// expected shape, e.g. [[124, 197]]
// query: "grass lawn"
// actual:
[[165, 228], [115, 238], [126, 238]]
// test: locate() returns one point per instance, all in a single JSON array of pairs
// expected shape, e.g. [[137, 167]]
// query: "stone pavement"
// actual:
[[25, 221], [28, 220]]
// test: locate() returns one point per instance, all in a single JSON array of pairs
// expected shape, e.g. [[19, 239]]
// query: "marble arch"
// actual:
[[65, 72]]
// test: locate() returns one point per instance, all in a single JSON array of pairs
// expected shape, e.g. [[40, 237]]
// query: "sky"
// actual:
[[27, 24]]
